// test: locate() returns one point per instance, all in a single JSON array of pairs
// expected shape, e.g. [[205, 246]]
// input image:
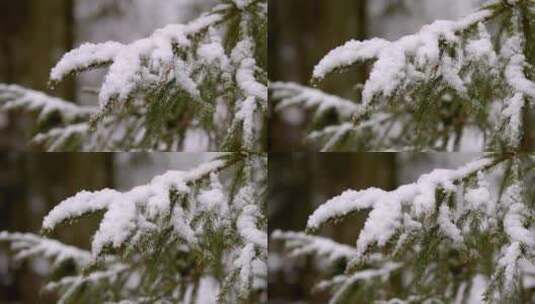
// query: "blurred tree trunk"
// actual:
[[301, 32], [34, 34]]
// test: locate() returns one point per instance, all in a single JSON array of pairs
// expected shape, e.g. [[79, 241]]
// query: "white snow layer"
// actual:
[[301, 244], [291, 94], [19, 97]]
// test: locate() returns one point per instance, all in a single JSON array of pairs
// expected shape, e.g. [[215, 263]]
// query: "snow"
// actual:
[[343, 204], [213, 199], [85, 56], [116, 227], [512, 114], [385, 218], [301, 244], [477, 292], [30, 245], [242, 55], [243, 262], [514, 225], [348, 54], [246, 115], [184, 81], [478, 198], [291, 94], [74, 282], [82, 203], [339, 132], [450, 70], [19, 97], [447, 226], [55, 138], [212, 53], [260, 274], [208, 291], [509, 262], [241, 4], [347, 281], [247, 227], [516, 78], [482, 47]]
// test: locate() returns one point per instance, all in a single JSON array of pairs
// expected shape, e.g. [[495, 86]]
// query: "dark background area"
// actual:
[[34, 34]]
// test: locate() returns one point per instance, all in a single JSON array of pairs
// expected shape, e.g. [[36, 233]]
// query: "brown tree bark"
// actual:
[[34, 34], [301, 32]]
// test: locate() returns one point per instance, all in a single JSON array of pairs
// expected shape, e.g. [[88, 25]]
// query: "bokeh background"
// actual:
[[31, 184], [34, 35], [301, 32], [300, 182]]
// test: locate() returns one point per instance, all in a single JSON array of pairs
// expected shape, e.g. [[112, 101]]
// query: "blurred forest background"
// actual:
[[301, 32], [300, 182], [31, 184], [34, 35]]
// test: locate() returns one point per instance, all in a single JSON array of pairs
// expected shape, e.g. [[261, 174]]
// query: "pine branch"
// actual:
[[443, 86], [27, 245], [451, 231]]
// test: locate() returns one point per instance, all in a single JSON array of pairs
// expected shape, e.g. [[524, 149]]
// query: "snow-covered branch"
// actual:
[[400, 62], [443, 210], [128, 70], [17, 97], [292, 94], [444, 86], [192, 236], [386, 216], [27, 245], [343, 283], [204, 81], [128, 215], [300, 244]]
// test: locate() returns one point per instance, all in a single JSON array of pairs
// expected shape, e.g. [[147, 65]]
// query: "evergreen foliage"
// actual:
[[204, 80], [195, 236], [442, 88], [454, 236]]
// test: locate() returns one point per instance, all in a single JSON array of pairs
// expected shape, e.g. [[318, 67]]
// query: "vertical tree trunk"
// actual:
[[301, 32], [34, 34], [528, 27]]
